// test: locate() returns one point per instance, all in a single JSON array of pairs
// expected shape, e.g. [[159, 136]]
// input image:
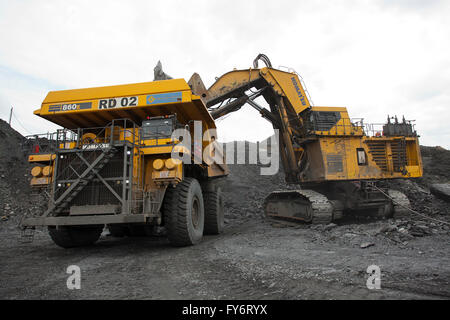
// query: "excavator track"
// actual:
[[400, 202], [304, 205]]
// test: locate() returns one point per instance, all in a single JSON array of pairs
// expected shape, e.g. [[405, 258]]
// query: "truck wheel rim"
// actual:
[[195, 212]]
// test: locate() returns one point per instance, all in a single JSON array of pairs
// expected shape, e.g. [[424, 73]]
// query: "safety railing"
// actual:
[[374, 129], [40, 143], [346, 126], [97, 137], [302, 82], [342, 127]]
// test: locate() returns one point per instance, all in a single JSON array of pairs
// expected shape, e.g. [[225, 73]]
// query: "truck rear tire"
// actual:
[[184, 213], [213, 212], [75, 236]]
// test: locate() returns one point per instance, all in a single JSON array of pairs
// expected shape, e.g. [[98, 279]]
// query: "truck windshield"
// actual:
[[157, 128]]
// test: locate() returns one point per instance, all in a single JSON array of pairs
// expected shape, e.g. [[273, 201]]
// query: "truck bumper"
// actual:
[[85, 220]]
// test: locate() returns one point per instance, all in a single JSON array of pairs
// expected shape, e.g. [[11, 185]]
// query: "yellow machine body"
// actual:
[[97, 107], [108, 123], [339, 164], [331, 150]]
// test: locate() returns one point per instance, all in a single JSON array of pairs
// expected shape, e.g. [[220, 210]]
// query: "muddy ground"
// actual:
[[255, 258]]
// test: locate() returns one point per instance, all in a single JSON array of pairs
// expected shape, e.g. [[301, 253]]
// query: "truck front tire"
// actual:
[[75, 236], [214, 212], [184, 213]]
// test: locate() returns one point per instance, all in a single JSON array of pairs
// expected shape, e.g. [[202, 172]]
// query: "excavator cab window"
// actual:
[[325, 120], [321, 120]]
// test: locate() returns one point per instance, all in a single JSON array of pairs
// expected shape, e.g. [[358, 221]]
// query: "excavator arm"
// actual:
[[282, 91], [320, 147]]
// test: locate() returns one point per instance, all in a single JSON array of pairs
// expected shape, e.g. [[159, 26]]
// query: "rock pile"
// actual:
[[14, 174]]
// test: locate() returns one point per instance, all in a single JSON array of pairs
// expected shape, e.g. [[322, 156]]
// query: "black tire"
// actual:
[[75, 236], [214, 220], [184, 213]]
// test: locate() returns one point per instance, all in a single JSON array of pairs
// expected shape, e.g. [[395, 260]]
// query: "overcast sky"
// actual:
[[373, 57]]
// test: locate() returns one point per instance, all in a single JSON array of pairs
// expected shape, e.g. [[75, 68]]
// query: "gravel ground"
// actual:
[[262, 260]]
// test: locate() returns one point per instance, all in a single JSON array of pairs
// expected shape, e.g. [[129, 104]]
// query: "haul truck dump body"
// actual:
[[96, 107], [114, 164]]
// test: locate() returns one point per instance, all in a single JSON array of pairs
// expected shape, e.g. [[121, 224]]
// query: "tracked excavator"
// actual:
[[332, 164]]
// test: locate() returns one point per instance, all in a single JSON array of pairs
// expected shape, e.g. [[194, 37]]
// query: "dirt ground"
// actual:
[[262, 260], [255, 257]]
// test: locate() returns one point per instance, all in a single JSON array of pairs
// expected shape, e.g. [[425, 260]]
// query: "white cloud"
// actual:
[[374, 57]]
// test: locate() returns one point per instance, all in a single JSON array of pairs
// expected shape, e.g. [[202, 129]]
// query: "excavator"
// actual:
[[332, 163]]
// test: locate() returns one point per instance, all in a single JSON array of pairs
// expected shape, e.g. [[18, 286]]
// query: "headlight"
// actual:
[[47, 171], [158, 164], [172, 163], [36, 171]]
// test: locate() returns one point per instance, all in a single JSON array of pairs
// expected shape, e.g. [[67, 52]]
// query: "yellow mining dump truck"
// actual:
[[119, 162]]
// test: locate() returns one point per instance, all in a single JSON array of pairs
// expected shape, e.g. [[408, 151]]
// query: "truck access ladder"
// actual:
[[82, 181]]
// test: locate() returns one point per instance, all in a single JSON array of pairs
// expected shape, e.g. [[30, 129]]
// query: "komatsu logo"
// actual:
[[299, 92]]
